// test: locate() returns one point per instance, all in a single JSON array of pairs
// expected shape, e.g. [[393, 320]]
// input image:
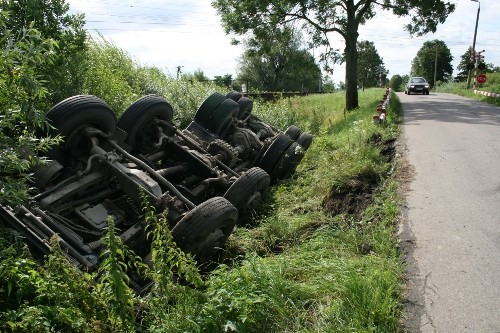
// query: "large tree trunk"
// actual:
[[351, 62]]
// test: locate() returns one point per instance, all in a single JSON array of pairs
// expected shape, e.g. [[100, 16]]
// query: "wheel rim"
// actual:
[[140, 121], [70, 118]]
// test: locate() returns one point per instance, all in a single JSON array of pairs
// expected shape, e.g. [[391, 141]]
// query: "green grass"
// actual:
[[304, 270], [459, 88], [298, 267]]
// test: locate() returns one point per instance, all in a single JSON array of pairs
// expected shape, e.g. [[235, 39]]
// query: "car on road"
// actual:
[[417, 85]]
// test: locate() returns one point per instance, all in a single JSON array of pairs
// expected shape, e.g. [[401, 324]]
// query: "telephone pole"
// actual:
[[474, 42], [179, 71]]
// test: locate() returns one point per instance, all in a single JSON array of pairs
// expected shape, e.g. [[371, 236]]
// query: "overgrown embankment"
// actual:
[[459, 88], [319, 256]]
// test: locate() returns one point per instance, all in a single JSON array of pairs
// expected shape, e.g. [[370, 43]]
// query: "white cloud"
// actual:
[[169, 33], [165, 34]]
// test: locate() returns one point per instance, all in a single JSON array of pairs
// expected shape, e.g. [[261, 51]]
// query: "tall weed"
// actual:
[[55, 297], [113, 289]]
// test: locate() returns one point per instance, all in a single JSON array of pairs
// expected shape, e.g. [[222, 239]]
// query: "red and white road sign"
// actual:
[[481, 78]]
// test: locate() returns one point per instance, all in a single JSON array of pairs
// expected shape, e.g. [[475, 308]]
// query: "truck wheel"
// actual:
[[71, 115], [305, 140], [246, 106], [205, 110], [293, 132], [288, 162], [246, 192], [234, 95], [204, 229], [221, 116], [273, 153], [139, 121]]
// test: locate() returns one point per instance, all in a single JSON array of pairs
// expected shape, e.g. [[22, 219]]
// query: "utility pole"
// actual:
[[474, 42], [179, 71], [435, 68]]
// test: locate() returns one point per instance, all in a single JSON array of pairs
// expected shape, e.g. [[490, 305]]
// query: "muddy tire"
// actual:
[[138, 120], [273, 153], [288, 162], [246, 192], [293, 132], [305, 140], [204, 229], [74, 113]]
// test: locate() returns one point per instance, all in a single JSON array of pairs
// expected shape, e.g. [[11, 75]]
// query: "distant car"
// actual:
[[417, 85]]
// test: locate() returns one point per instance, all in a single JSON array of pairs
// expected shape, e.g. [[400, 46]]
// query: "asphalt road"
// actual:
[[451, 228]]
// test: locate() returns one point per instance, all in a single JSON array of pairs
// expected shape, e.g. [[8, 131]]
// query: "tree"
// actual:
[[465, 60], [396, 82], [198, 75], [21, 97], [223, 81], [279, 64], [424, 64], [370, 66], [328, 84], [51, 19], [319, 18]]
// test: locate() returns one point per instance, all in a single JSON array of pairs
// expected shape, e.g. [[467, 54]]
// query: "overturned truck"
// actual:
[[208, 177]]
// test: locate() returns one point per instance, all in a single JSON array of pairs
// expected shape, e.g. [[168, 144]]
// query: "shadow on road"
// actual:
[[439, 106]]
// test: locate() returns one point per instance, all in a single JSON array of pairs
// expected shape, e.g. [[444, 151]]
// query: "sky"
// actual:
[[187, 34]]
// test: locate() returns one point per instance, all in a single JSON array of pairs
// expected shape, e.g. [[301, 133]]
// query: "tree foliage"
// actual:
[[465, 60], [223, 80], [396, 82], [462, 69], [198, 75], [319, 18], [22, 95], [279, 63], [371, 67], [424, 63], [52, 20]]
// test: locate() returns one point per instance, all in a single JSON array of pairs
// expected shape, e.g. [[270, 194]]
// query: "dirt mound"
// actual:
[[352, 197]]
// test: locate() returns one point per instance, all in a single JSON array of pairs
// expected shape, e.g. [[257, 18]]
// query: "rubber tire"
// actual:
[[293, 132], [205, 110], [408, 92], [273, 153], [75, 112], [234, 95], [246, 191], [305, 140], [246, 107], [140, 113], [221, 115], [288, 162], [215, 217]]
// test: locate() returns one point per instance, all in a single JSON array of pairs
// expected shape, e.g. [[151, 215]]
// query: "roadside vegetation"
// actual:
[[459, 88], [319, 256]]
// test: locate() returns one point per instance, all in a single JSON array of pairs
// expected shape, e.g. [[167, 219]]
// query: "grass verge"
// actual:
[[319, 256], [303, 267], [458, 88]]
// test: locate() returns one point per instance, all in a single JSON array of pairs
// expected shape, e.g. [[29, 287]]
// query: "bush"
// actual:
[[22, 95]]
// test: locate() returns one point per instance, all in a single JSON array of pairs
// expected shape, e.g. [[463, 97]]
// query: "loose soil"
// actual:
[[356, 194]]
